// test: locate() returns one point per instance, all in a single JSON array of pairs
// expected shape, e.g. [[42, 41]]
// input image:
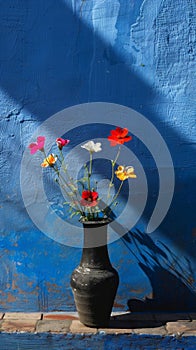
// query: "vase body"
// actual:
[[94, 282]]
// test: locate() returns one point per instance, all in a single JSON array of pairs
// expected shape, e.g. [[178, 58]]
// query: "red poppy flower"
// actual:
[[119, 136], [37, 146], [89, 199], [61, 142]]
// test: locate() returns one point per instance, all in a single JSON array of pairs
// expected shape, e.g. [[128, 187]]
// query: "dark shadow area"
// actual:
[[137, 320], [171, 278], [131, 323]]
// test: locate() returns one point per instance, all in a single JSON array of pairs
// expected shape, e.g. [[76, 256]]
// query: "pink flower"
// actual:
[[37, 146], [61, 142]]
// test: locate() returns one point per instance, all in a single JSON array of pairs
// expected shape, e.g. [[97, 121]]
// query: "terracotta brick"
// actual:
[[120, 323], [60, 316], [78, 327], [192, 315], [54, 326], [22, 316], [171, 317], [151, 331], [18, 325], [115, 331], [134, 316], [189, 334], [180, 327], [134, 324]]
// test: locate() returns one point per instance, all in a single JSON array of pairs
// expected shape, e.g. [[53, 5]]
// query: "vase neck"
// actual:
[[95, 251]]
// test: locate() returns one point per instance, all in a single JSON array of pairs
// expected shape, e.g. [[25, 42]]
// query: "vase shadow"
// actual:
[[121, 323], [138, 320]]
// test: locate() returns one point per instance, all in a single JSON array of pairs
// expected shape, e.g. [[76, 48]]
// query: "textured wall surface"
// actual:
[[94, 342], [59, 53]]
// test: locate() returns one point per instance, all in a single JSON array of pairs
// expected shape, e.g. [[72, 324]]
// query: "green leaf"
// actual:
[[70, 194], [75, 213], [83, 179]]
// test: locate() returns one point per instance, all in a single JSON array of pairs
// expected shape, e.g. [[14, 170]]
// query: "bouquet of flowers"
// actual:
[[81, 194]]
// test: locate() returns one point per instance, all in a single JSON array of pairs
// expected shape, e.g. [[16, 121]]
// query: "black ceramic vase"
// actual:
[[94, 282]]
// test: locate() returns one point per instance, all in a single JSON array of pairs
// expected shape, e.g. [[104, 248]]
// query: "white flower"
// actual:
[[92, 147]]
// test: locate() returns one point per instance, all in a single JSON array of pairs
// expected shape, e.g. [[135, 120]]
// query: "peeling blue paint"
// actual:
[[94, 342], [140, 54]]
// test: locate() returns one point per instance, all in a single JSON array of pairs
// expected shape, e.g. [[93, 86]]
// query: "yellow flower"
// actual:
[[49, 161], [123, 173]]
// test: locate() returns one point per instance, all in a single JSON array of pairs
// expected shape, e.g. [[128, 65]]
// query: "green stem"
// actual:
[[90, 171], [71, 186], [112, 176], [90, 165], [44, 152], [62, 180], [65, 168], [116, 196]]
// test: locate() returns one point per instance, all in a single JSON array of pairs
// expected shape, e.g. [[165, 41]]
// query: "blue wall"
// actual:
[[59, 53], [95, 341]]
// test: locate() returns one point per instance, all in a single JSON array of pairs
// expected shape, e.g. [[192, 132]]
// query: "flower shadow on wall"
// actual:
[[171, 278]]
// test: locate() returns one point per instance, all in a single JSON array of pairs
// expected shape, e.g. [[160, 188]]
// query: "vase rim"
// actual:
[[100, 221]]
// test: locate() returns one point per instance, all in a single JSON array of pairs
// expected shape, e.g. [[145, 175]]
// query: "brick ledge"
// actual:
[[161, 324]]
